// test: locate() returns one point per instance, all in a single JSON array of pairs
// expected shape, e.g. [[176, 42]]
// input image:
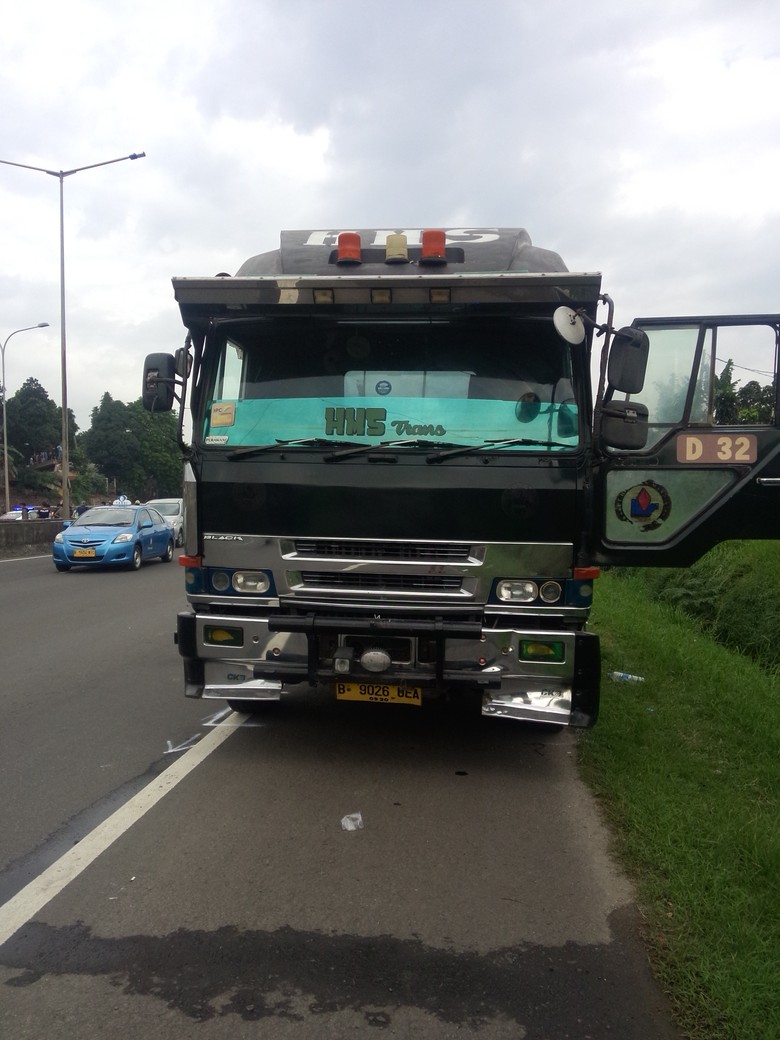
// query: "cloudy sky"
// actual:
[[639, 139]]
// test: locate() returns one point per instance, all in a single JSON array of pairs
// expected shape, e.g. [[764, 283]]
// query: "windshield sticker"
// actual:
[[223, 413], [460, 420]]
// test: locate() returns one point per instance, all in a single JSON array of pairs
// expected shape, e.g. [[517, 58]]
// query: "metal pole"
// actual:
[[64, 455], [61, 175], [27, 328]]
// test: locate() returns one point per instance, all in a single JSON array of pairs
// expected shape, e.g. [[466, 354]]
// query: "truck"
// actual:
[[408, 454]]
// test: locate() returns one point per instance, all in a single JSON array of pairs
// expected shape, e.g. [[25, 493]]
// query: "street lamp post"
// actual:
[[27, 328], [61, 175]]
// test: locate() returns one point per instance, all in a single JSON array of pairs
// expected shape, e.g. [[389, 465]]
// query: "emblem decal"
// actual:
[[646, 505]]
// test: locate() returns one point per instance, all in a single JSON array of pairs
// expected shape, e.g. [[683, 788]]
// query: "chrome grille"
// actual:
[[423, 552], [382, 582]]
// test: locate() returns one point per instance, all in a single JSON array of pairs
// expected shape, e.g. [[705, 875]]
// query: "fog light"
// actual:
[[375, 660], [542, 650], [220, 581], [513, 590], [218, 635]]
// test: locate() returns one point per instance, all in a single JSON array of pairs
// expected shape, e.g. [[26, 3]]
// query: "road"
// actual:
[[169, 869]]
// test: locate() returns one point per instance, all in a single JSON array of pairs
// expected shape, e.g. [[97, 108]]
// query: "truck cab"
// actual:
[[402, 482]]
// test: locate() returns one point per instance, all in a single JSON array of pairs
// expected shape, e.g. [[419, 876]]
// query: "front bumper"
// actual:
[[436, 654]]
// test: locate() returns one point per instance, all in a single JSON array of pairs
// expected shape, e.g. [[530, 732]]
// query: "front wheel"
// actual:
[[167, 556], [135, 562], [62, 566]]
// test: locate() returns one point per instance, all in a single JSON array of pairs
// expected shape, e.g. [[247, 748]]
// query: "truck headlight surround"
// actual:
[[550, 591], [517, 590], [220, 581]]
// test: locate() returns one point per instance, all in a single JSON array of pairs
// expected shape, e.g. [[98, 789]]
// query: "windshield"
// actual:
[[168, 508], [414, 382], [106, 516]]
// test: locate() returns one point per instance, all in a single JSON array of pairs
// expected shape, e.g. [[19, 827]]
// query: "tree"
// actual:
[[750, 404], [33, 420], [134, 449], [726, 407], [756, 403]]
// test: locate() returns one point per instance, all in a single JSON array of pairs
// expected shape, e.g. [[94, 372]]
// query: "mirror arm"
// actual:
[[607, 331]]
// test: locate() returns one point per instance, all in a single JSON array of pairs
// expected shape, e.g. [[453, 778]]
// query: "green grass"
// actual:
[[687, 766]]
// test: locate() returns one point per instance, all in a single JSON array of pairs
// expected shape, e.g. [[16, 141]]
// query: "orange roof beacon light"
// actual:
[[348, 245], [396, 250], [434, 247]]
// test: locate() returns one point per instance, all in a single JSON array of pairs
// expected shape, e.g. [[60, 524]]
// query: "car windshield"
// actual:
[[106, 516], [167, 508], [297, 383]]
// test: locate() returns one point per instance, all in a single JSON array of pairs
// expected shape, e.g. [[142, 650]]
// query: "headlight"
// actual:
[[248, 583], [516, 590], [251, 581], [58, 537], [125, 536], [550, 592]]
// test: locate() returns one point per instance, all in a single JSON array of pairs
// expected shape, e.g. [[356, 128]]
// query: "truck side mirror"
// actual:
[[183, 362], [628, 360], [157, 394], [624, 425]]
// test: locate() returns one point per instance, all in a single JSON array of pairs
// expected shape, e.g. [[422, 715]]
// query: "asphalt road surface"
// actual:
[[172, 869]]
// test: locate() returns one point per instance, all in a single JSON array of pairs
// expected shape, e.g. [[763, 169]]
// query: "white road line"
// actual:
[[18, 559], [25, 904]]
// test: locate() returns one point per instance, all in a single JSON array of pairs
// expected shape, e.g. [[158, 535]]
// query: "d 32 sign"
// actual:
[[717, 448]]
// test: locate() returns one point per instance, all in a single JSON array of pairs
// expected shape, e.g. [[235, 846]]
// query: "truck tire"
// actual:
[[252, 707]]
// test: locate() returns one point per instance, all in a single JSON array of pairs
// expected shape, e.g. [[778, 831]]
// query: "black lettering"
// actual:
[[375, 421], [334, 422], [354, 422]]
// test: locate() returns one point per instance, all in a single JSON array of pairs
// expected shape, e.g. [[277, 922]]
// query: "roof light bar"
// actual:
[[348, 245], [434, 246], [396, 250]]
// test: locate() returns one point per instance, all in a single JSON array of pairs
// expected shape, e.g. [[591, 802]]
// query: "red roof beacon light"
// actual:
[[396, 250], [348, 245], [434, 247]]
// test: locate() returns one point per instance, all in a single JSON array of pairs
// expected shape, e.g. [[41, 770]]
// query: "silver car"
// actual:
[[173, 511]]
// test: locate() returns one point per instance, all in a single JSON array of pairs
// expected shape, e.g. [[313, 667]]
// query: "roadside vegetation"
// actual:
[[125, 450], [687, 767]]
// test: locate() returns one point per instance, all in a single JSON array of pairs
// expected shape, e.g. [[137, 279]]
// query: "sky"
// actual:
[[640, 139]]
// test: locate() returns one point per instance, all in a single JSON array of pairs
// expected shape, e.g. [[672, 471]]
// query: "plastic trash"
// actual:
[[625, 677], [352, 822]]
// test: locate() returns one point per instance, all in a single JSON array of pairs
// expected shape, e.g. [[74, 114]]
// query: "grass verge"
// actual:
[[687, 767]]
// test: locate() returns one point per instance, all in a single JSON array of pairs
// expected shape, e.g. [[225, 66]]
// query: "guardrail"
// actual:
[[21, 534]]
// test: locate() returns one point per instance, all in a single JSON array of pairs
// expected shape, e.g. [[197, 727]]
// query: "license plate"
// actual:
[[379, 693], [84, 553]]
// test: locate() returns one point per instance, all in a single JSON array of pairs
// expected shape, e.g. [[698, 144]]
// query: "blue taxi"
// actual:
[[118, 535]]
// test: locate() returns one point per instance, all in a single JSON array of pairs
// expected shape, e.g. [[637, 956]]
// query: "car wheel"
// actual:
[[62, 566], [180, 539], [135, 562], [167, 556]]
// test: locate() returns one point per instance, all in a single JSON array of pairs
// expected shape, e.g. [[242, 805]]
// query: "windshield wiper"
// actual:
[[300, 442], [362, 449], [509, 442]]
